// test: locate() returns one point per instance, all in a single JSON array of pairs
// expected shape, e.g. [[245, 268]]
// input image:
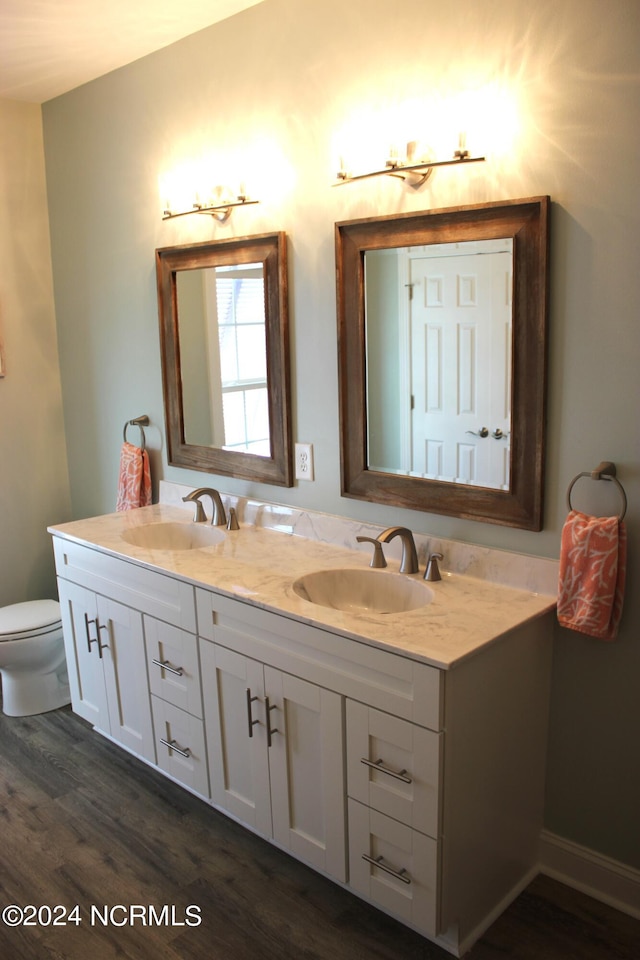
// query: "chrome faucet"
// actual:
[[409, 561], [219, 517]]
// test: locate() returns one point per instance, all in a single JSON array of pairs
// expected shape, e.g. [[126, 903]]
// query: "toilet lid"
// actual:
[[29, 617]]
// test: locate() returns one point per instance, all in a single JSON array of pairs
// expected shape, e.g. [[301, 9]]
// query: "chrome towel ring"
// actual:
[[139, 422], [604, 471]]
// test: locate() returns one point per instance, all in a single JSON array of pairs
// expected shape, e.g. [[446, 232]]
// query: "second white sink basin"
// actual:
[[363, 591], [174, 536]]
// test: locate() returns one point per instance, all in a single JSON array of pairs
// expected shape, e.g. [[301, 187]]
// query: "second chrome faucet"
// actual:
[[409, 559]]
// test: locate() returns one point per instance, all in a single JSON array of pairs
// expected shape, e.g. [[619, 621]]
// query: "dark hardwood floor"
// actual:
[[83, 823]]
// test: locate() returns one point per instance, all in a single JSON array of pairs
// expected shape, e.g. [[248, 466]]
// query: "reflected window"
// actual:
[[223, 346], [243, 358]]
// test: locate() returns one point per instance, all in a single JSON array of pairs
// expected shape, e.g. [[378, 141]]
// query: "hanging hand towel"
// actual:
[[134, 481], [593, 561]]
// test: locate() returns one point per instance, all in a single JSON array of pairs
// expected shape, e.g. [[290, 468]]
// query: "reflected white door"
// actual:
[[461, 367]]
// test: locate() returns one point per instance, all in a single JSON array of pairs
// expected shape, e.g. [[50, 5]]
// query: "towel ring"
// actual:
[[604, 471], [139, 422]]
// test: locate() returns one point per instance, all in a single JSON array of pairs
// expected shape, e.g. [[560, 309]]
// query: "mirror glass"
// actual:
[[442, 330], [438, 321], [224, 327], [222, 338]]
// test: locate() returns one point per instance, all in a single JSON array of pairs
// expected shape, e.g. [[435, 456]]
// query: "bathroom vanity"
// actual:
[[400, 754]]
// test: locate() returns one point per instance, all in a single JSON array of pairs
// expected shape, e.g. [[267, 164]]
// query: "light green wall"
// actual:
[[286, 82], [34, 486]]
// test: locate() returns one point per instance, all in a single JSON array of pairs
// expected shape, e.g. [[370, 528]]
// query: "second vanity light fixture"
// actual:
[[415, 170]]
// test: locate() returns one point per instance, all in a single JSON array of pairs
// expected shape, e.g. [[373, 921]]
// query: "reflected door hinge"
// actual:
[[410, 287], [413, 402]]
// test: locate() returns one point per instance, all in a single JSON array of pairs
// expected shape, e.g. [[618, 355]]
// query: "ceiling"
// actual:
[[48, 47]]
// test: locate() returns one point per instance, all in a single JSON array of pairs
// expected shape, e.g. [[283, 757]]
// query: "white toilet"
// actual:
[[32, 659]]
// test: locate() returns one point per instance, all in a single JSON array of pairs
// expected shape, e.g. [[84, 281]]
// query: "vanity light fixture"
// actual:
[[415, 173], [220, 211]]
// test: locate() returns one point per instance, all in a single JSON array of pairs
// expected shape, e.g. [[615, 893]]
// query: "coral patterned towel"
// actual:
[[593, 561], [134, 482]]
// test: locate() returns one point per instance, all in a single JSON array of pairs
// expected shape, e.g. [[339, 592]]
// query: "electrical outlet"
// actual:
[[304, 461]]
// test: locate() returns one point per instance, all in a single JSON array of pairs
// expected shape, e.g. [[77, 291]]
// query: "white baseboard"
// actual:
[[607, 880]]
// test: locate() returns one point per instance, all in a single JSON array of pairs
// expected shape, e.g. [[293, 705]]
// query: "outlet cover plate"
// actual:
[[304, 461]]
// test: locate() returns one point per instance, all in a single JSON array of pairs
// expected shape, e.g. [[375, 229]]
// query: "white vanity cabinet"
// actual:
[[418, 787]]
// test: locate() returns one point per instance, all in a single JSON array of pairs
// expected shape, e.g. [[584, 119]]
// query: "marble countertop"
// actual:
[[258, 566]]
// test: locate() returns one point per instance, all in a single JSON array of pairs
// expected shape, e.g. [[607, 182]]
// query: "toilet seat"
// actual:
[[34, 618]]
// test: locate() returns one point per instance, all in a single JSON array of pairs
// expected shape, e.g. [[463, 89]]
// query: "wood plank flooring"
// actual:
[[84, 823]]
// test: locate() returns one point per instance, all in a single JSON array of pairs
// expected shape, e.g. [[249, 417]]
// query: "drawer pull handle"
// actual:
[[377, 765], [251, 722], [166, 665], [270, 732], [171, 744], [378, 862]]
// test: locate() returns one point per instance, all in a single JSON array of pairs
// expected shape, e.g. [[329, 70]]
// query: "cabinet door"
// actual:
[[125, 674], [234, 710], [394, 766], [306, 770], [79, 615]]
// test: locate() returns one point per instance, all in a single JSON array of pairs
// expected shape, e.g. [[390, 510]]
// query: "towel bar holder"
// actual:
[[139, 422], [606, 470]]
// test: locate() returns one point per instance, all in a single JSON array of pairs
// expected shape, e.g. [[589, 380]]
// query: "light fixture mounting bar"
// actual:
[[214, 211], [399, 169]]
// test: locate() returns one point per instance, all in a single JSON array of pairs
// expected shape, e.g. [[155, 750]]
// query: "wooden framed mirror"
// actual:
[[442, 320], [224, 338]]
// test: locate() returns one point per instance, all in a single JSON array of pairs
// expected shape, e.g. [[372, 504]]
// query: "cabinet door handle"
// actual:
[[166, 665], [171, 744], [101, 646], [90, 639], [250, 721], [270, 732], [377, 765], [379, 862]]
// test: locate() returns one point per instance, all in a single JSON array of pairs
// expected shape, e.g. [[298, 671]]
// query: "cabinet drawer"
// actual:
[[180, 746], [403, 879], [386, 680], [136, 586], [172, 663], [394, 766]]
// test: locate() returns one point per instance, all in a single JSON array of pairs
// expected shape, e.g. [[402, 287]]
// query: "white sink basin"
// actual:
[[363, 591], [174, 536]]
